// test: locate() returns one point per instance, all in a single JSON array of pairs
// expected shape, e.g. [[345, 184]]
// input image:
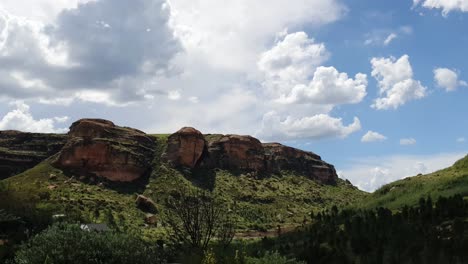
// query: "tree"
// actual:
[[195, 217]]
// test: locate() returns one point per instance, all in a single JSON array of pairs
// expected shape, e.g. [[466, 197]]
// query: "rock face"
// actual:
[[21, 151], [98, 147], [283, 158], [235, 152], [185, 147]]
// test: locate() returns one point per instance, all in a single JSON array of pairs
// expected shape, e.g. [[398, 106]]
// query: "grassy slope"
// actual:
[[262, 203], [446, 182]]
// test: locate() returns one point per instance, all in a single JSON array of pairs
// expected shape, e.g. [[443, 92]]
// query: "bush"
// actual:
[[272, 258], [68, 244]]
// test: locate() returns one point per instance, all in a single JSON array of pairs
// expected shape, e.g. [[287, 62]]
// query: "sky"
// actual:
[[377, 88]]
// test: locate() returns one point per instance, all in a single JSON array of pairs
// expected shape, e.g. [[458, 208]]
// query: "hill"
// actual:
[[408, 191], [101, 169]]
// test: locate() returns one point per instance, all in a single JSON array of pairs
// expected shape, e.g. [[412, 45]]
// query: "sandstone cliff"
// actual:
[[236, 152], [98, 147], [20, 151]]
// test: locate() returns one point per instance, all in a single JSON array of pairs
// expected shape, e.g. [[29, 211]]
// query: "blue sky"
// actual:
[[377, 88]]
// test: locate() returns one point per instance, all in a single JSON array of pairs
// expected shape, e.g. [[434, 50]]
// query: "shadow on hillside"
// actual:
[[137, 186], [206, 178]]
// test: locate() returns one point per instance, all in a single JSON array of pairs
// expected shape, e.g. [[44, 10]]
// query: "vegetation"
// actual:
[[446, 182], [69, 244], [427, 233], [194, 218]]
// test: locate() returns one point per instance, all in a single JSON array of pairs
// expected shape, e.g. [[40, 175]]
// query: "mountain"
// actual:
[[101, 172], [408, 191]]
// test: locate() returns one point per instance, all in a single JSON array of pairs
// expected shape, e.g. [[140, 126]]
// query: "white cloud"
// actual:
[[396, 83], [461, 140], [390, 38], [82, 50], [370, 173], [231, 34], [21, 119], [447, 6], [293, 75], [407, 141], [384, 36], [174, 95], [448, 79], [372, 136], [310, 127], [328, 86]]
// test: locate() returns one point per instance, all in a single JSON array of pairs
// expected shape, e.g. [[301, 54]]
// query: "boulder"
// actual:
[[99, 148], [185, 147], [145, 203], [235, 152]]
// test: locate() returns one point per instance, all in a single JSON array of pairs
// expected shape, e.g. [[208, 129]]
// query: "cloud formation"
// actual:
[[22, 119], [407, 141], [309, 127], [448, 79], [88, 48], [447, 6], [396, 83], [372, 136]]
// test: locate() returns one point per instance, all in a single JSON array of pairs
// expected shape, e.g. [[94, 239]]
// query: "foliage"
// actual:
[[272, 258], [428, 233], [68, 244], [446, 182]]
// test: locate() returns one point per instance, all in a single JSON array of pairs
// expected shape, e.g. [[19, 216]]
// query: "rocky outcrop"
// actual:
[[100, 148], [234, 152], [185, 147], [21, 151], [283, 158]]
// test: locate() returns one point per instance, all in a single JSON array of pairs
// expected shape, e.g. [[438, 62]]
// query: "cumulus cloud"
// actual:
[[328, 86], [293, 75], [407, 141], [461, 140], [448, 79], [21, 119], [396, 83], [370, 173], [88, 47], [243, 28], [310, 127], [447, 6], [372, 136]]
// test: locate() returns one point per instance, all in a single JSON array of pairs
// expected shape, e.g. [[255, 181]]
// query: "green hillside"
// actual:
[[261, 202], [408, 191]]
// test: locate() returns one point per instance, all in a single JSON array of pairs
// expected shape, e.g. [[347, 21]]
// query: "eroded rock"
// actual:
[[185, 147], [283, 158], [235, 152], [20, 151], [98, 147]]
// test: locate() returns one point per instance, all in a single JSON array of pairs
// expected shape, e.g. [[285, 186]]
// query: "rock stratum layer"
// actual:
[[100, 148], [236, 152], [20, 151]]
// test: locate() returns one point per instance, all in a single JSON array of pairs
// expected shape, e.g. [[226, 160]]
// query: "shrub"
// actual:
[[272, 258], [68, 244]]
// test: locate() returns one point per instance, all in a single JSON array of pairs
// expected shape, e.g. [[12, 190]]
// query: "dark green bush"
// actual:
[[68, 244]]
